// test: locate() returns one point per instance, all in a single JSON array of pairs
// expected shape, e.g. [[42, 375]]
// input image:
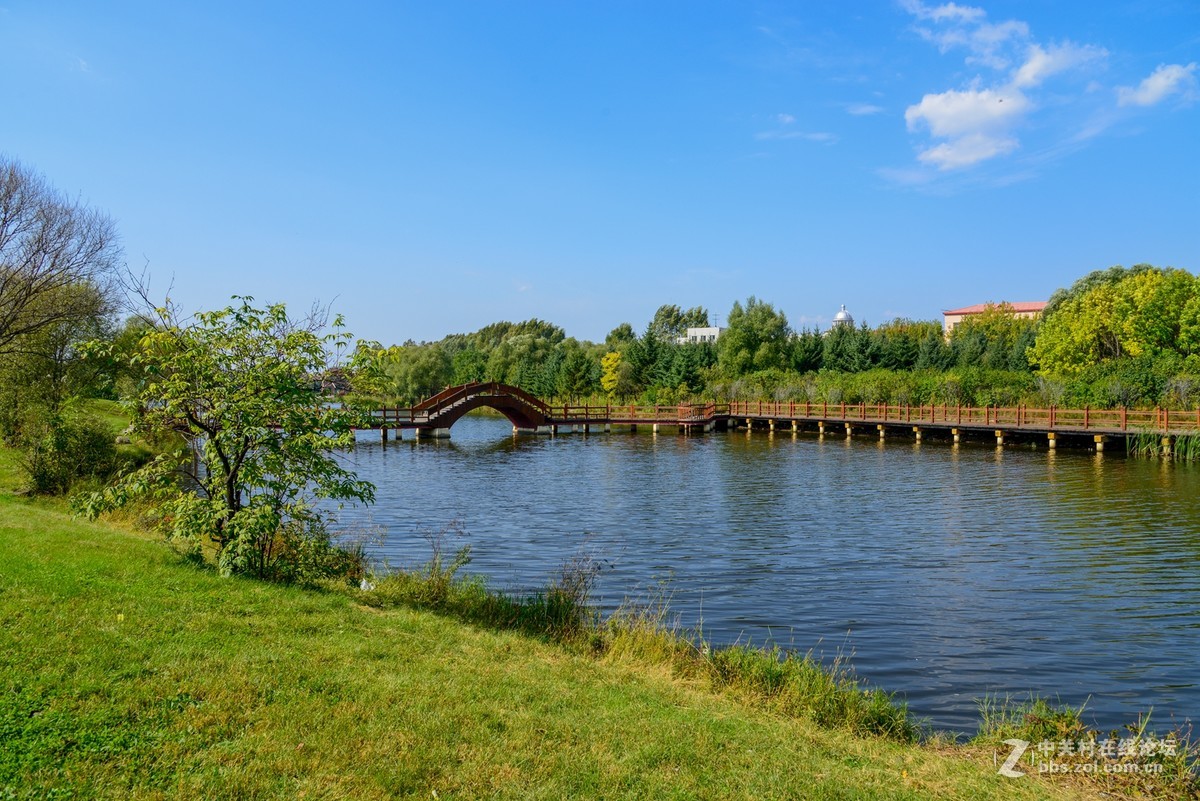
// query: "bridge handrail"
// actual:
[[1020, 416], [1050, 418], [435, 400]]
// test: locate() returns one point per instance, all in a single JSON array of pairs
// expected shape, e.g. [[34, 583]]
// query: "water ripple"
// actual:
[[947, 572]]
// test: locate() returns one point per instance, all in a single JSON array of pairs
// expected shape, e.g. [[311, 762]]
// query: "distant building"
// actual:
[[707, 334], [842, 318], [1028, 310]]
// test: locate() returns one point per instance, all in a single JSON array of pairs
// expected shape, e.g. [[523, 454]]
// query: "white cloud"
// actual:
[[1166, 80], [948, 11], [863, 109], [954, 113], [987, 44], [786, 119], [967, 150], [1043, 62], [979, 121]]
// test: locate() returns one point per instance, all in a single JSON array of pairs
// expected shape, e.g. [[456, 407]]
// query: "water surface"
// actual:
[[944, 573]]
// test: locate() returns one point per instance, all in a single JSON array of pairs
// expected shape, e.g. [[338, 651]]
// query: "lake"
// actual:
[[943, 572]]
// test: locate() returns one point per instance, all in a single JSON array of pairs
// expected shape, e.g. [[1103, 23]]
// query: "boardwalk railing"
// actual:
[[1017, 417], [449, 404]]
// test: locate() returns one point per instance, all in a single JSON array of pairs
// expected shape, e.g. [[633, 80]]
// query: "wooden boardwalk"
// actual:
[[434, 416]]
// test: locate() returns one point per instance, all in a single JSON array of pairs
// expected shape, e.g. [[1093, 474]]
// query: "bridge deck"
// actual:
[[444, 407]]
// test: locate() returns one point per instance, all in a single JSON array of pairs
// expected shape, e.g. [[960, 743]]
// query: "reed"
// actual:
[[1183, 447]]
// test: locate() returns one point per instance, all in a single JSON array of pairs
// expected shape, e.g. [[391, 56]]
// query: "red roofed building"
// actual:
[[1028, 310]]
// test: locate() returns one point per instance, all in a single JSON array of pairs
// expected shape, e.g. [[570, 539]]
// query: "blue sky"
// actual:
[[432, 167]]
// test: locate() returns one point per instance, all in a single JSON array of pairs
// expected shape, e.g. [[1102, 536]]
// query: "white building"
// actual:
[[708, 334], [842, 318]]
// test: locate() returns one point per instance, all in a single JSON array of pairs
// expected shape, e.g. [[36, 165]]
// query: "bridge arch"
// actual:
[[447, 407]]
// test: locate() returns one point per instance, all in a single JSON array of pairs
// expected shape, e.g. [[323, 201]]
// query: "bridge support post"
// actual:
[[771, 426], [882, 431], [795, 427], [383, 432], [1166, 446], [954, 431], [433, 433], [999, 438], [749, 424], [821, 428], [655, 428], [849, 431], [633, 428], [917, 434], [535, 430], [1099, 439], [608, 428], [1052, 439]]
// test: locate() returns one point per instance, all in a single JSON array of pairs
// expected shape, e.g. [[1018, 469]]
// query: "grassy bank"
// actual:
[[126, 672]]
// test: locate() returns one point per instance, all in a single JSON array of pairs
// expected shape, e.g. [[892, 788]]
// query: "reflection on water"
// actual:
[[947, 572]]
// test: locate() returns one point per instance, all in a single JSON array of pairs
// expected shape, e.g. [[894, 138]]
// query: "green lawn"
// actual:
[[127, 673]]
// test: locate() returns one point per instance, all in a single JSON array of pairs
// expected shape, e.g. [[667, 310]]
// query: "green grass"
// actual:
[[126, 672]]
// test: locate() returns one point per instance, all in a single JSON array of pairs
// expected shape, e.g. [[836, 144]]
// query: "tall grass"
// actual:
[[783, 681], [1057, 734], [1183, 447]]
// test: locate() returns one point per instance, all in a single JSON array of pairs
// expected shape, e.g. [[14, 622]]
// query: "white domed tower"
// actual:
[[843, 318]]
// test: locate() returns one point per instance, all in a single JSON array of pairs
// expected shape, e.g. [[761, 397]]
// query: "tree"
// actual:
[[620, 338], [1117, 313], [670, 322], [756, 338], [44, 369], [808, 349], [47, 244], [415, 372], [237, 387], [616, 377]]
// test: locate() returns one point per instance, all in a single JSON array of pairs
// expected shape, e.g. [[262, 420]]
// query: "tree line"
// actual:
[[229, 424], [1116, 337]]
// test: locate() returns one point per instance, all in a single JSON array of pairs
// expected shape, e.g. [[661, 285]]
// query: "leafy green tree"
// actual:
[[840, 353], [417, 371], [236, 386], [756, 338], [44, 369], [643, 356], [670, 322], [620, 338], [934, 352], [899, 342], [808, 351], [468, 365], [1143, 311], [574, 371]]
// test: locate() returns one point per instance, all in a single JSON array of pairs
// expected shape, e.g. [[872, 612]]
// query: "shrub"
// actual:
[[66, 450]]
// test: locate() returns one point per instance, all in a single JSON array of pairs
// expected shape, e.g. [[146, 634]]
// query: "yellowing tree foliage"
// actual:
[[1144, 311]]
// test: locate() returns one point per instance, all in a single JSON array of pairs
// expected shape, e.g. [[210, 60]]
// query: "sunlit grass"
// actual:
[[126, 672]]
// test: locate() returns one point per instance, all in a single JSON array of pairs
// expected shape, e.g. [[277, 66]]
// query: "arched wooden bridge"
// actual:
[[433, 417]]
